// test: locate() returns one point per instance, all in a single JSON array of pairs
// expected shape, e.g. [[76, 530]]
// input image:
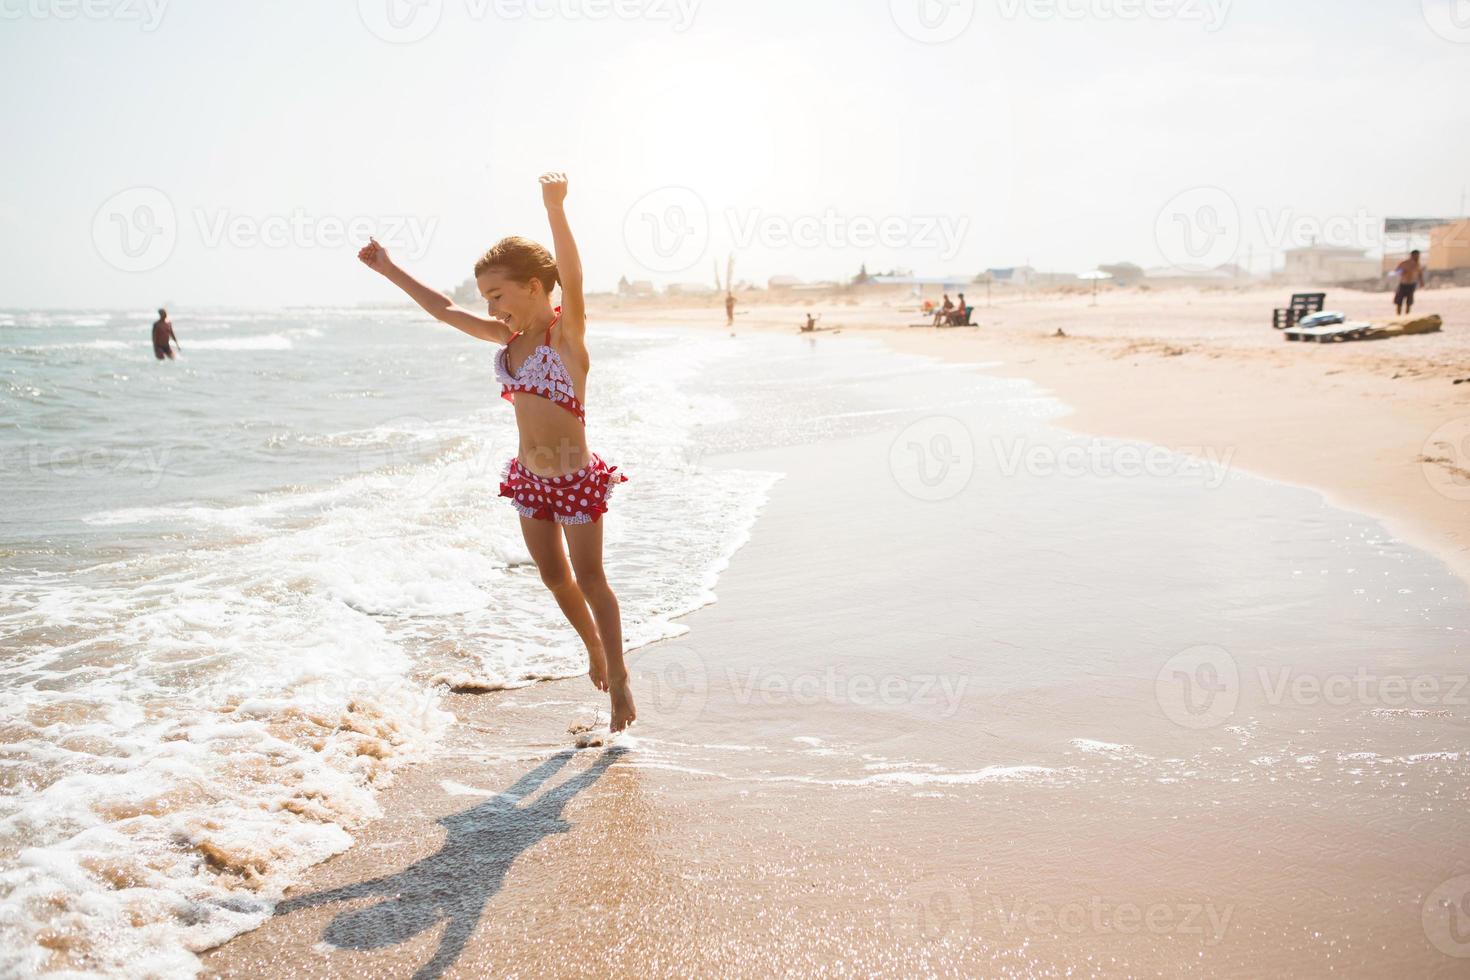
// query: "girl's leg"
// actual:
[[544, 544], [584, 541]]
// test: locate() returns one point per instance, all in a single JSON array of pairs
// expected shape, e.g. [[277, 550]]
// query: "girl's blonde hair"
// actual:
[[522, 260]]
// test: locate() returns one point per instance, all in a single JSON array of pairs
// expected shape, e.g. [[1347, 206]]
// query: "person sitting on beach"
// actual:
[[557, 485], [163, 335], [960, 314], [811, 323], [942, 314], [1411, 277]]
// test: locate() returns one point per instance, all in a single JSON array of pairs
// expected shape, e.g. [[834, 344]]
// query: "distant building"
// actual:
[[638, 289], [1449, 246], [1017, 275], [1329, 263], [783, 282]]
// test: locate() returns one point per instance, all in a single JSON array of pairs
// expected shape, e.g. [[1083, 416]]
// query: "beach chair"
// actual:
[[1302, 304]]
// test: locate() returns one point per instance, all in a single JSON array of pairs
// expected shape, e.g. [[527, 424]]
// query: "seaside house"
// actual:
[[1329, 263]]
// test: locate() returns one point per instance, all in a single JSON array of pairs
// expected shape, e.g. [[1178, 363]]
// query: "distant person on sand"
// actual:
[[729, 309], [163, 335], [557, 485], [811, 323], [1411, 276], [942, 314]]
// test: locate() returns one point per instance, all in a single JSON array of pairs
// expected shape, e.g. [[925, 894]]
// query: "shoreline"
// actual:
[[919, 834], [1187, 369]]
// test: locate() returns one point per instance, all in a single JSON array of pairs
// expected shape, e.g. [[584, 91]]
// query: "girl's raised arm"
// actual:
[[434, 303], [568, 262]]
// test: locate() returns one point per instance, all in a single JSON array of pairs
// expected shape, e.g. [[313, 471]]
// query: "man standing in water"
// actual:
[[1411, 277], [163, 334]]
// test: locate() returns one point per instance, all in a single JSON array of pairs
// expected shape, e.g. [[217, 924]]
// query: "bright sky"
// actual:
[[207, 153]]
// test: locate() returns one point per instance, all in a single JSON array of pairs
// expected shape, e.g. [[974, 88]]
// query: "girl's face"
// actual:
[[514, 302]]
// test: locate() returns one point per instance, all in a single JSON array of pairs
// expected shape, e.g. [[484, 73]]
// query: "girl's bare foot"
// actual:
[[623, 711], [597, 667]]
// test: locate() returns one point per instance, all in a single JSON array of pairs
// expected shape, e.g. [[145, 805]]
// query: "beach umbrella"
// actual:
[[1096, 275]]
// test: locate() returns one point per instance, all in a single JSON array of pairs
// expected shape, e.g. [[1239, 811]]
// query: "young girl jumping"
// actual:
[[557, 485]]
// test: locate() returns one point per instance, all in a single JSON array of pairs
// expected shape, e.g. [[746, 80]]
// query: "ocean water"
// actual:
[[235, 587], [234, 590]]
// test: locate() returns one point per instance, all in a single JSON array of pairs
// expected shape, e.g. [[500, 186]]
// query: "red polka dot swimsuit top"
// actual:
[[543, 374]]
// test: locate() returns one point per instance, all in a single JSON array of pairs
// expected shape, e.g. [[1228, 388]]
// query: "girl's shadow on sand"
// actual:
[[457, 881]]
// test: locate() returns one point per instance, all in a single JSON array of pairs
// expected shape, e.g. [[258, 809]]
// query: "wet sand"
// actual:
[[906, 741]]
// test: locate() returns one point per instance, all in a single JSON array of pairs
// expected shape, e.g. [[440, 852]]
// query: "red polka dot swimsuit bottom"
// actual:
[[579, 497]]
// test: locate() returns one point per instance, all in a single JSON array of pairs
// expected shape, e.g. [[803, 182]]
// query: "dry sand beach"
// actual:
[[969, 726]]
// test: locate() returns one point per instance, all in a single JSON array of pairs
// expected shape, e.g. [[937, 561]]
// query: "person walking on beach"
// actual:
[[557, 485], [1411, 276], [729, 309], [163, 335]]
